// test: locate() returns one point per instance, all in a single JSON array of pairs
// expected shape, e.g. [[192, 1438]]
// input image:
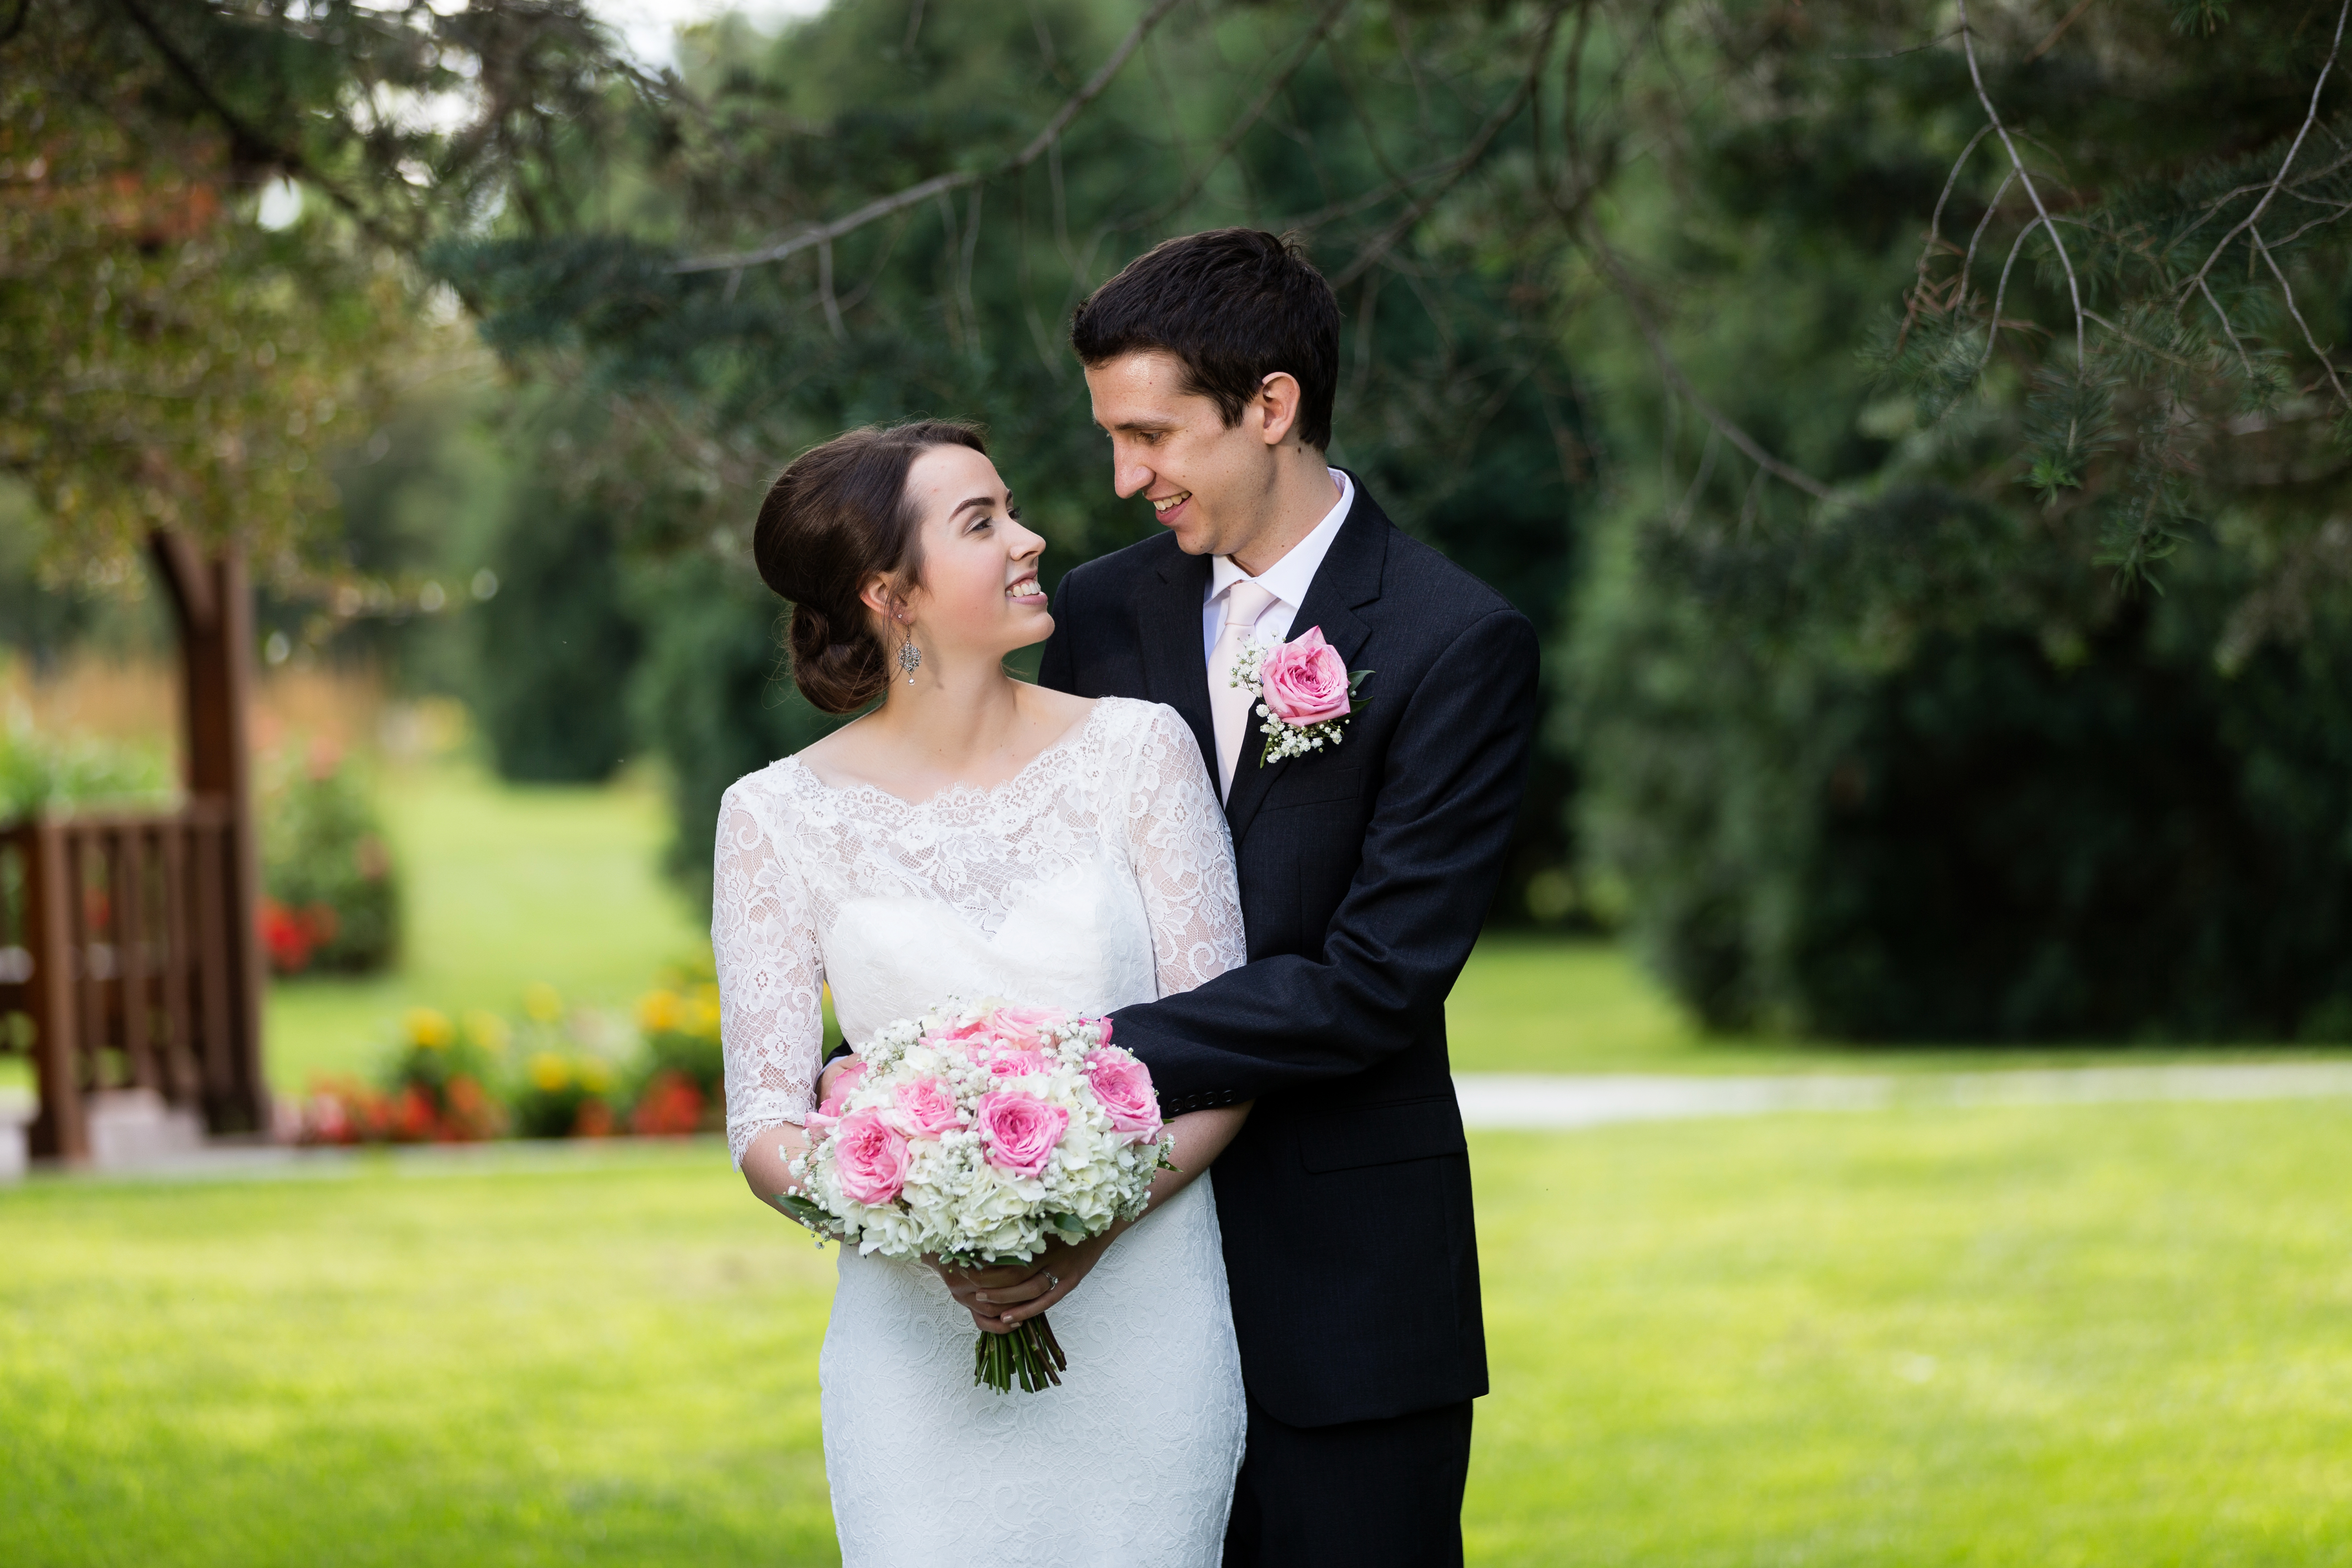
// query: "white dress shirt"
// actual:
[[1287, 579]]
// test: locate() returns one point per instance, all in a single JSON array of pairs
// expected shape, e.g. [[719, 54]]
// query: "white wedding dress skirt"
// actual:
[[1101, 875], [1130, 1461]]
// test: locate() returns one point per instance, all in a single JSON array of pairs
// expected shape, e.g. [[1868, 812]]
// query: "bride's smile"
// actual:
[[974, 595]]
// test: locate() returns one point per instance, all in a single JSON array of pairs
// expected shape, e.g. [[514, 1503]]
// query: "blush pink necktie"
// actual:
[[1232, 706]]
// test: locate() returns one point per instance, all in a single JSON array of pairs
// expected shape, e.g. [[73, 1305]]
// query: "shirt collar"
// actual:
[[1289, 578]]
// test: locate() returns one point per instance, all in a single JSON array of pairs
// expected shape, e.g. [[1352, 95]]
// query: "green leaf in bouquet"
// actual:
[[808, 1212]]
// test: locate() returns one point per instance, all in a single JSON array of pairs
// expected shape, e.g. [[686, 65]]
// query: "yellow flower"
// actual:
[[703, 1021], [487, 1030], [548, 1072], [594, 1076], [428, 1027], [543, 1002], [658, 1012]]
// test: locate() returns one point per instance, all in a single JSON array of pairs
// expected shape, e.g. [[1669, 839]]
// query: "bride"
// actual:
[[971, 836]]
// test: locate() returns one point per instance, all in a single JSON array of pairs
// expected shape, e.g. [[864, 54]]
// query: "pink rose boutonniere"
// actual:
[[1305, 693]]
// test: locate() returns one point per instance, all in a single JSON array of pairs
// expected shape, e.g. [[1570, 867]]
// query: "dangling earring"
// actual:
[[909, 656]]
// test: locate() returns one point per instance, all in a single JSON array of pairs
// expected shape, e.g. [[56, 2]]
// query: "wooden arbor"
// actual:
[[128, 938]]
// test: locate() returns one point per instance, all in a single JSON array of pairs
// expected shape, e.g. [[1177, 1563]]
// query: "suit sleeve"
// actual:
[[1057, 669], [1432, 854]]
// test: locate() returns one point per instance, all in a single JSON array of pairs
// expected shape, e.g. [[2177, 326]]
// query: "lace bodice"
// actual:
[[1100, 876]]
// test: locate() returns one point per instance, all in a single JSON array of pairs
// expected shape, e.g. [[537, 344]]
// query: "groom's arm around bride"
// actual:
[[1365, 871]]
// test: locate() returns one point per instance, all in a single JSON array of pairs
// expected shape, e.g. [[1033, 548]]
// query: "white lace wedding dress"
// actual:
[[1100, 876]]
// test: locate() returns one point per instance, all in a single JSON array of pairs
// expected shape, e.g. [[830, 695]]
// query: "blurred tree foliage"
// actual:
[[556, 646], [713, 337], [203, 209], [1919, 431], [2014, 706]]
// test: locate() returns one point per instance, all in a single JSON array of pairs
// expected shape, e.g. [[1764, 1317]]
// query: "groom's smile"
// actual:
[[1209, 482]]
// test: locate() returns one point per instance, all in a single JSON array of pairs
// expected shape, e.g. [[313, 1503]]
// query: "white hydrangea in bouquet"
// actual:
[[976, 1135]]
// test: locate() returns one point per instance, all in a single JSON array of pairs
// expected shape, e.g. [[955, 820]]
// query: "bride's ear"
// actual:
[[880, 595]]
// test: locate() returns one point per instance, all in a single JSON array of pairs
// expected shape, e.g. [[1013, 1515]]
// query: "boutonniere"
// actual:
[[1305, 693]]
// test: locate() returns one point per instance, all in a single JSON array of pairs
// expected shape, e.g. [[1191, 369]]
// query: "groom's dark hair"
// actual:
[[1235, 305]]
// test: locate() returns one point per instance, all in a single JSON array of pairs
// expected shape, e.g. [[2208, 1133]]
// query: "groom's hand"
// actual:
[[1001, 1299], [829, 1082]]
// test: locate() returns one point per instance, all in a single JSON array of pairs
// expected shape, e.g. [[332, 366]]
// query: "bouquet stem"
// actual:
[[1029, 1354]]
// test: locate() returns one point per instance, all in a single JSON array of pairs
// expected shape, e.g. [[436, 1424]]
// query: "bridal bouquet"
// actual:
[[977, 1136]]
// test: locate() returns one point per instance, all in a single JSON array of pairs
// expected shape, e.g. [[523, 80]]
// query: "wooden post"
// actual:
[[179, 1020], [213, 602], [61, 1131]]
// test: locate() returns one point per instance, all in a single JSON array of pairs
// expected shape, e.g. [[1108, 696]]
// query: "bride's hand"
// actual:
[[1003, 1297], [966, 1285]]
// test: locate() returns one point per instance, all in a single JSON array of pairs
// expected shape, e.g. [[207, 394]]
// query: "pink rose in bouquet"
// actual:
[[1304, 680], [844, 1083], [1020, 1131], [926, 1109], [1010, 1062], [1026, 1028], [871, 1156], [1123, 1085]]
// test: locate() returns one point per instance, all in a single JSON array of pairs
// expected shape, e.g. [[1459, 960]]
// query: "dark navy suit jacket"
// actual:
[[1365, 872]]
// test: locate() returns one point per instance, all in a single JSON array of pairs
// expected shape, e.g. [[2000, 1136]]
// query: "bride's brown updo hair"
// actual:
[[837, 516]]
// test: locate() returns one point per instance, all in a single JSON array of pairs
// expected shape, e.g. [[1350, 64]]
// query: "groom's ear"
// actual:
[[1277, 405]]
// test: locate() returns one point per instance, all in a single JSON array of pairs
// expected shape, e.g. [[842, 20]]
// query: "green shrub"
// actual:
[[50, 773], [1862, 783], [331, 892]]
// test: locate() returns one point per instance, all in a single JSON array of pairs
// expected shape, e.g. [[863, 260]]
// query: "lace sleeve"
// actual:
[[771, 976], [1182, 856]]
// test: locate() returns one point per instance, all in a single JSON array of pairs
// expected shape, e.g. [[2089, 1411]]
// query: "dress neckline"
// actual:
[[1069, 740]]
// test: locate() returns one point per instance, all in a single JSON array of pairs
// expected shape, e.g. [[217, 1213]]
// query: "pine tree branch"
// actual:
[[2311, 117], [2293, 309], [1614, 267], [1968, 261], [2058, 32], [1921, 296], [1992, 334], [940, 184], [2245, 361], [2073, 284], [1248, 118], [1406, 222]]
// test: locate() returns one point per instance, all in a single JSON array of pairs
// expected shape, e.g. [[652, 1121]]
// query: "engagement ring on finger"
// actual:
[[1053, 1280]]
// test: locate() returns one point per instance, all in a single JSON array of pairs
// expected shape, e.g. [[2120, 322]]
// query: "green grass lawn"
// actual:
[[1533, 1004], [2110, 1335]]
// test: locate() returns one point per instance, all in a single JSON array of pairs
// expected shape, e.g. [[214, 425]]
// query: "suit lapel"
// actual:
[[1176, 668], [1349, 578]]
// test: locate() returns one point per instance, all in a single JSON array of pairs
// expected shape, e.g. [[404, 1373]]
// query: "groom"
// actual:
[[1365, 870]]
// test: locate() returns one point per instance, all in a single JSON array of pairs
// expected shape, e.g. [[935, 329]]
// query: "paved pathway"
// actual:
[[1552, 1101]]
